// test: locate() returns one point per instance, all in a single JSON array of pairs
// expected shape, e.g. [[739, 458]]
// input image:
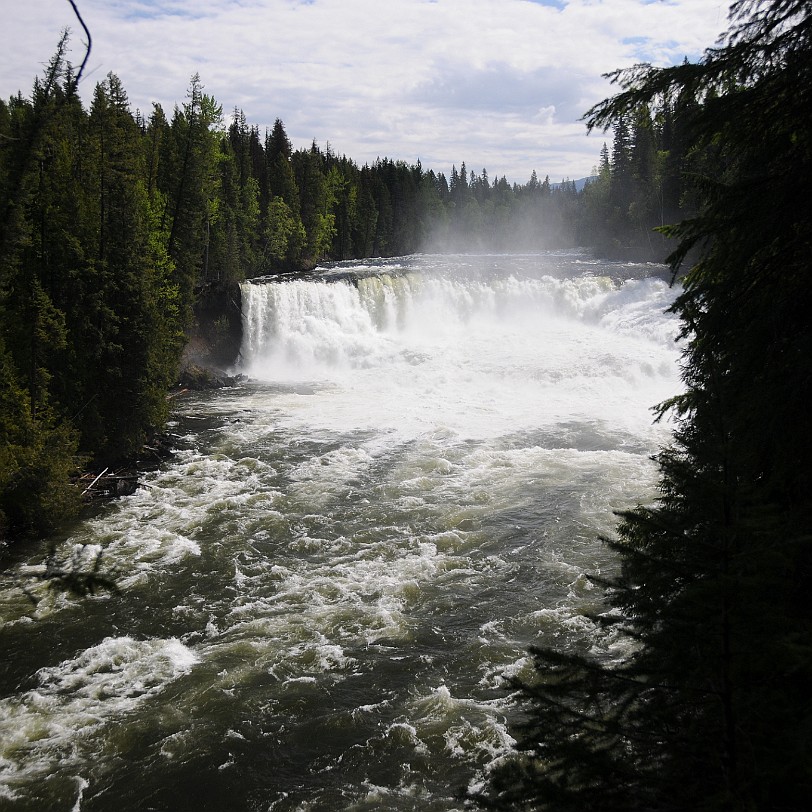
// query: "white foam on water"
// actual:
[[410, 354], [82, 785], [58, 722], [462, 726]]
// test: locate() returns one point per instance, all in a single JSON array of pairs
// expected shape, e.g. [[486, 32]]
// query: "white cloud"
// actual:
[[499, 84]]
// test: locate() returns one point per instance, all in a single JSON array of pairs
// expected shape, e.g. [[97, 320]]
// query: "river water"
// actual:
[[319, 598]]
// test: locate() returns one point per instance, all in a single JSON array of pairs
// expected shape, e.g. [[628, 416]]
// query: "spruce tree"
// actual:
[[190, 156], [711, 709]]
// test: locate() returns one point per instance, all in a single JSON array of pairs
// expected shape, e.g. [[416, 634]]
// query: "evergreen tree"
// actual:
[[383, 222], [278, 143], [37, 459], [621, 165], [38, 450], [711, 709], [345, 192], [191, 158], [283, 239], [88, 322], [366, 215], [316, 200]]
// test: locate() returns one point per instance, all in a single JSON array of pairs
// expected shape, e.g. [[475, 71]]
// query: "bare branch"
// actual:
[[89, 43]]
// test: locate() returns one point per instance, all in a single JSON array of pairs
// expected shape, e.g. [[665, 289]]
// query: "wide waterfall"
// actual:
[[320, 597]]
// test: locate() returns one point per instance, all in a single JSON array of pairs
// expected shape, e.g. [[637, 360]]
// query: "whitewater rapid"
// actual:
[[320, 597]]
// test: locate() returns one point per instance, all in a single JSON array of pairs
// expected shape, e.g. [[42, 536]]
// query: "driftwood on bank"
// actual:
[[108, 484]]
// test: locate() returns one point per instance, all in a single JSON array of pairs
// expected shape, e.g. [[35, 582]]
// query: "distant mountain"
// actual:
[[579, 184]]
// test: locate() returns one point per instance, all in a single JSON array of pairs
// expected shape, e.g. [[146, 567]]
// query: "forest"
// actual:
[[113, 221]]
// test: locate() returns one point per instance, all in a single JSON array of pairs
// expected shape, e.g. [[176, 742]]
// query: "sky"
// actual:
[[498, 84]]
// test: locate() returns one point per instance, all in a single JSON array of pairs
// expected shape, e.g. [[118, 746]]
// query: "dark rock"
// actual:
[[200, 378], [215, 338]]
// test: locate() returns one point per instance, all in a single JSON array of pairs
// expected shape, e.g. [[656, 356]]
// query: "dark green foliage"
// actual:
[[711, 710], [89, 318], [189, 186], [37, 457]]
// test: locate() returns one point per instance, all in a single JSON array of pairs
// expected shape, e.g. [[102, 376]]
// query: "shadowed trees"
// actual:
[[710, 710]]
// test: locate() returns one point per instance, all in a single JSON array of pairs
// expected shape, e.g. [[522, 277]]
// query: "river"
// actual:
[[320, 596]]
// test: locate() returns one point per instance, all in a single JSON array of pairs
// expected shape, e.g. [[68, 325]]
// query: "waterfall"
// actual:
[[308, 328]]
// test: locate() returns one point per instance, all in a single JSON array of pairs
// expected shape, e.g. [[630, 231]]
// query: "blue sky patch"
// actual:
[[559, 4]]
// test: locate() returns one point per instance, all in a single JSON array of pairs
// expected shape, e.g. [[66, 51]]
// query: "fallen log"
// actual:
[[125, 480], [107, 485], [92, 484]]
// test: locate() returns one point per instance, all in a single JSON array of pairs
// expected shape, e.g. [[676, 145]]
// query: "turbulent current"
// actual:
[[320, 597]]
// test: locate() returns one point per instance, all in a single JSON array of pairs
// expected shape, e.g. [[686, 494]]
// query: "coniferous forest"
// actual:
[[112, 222]]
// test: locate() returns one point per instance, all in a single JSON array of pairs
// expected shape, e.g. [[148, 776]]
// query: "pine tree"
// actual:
[[38, 451], [621, 165], [316, 199], [365, 221], [38, 454]]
